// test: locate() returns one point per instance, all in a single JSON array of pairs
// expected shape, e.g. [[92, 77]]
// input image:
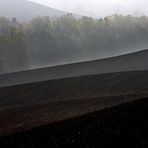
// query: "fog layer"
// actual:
[[46, 41], [99, 8]]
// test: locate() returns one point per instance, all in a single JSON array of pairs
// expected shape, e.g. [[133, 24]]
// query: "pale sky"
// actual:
[[99, 8]]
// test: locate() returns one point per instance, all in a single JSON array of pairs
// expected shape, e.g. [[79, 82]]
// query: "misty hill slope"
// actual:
[[129, 62], [25, 10]]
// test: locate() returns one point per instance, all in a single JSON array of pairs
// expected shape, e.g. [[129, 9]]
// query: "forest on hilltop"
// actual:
[[48, 41]]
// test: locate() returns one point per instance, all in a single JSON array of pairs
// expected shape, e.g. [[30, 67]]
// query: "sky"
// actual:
[[99, 8]]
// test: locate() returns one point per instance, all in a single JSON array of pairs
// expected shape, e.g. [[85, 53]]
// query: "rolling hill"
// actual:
[[129, 62], [25, 10], [53, 94]]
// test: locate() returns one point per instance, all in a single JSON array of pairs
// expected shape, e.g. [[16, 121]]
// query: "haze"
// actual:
[[99, 8], [38, 40]]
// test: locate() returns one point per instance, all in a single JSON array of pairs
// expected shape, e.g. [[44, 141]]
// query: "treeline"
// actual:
[[49, 41]]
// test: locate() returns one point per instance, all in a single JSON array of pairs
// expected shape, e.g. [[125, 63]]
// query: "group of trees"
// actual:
[[49, 41], [13, 47]]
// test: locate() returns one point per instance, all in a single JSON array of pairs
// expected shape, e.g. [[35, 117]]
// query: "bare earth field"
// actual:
[[90, 104], [121, 126], [30, 105]]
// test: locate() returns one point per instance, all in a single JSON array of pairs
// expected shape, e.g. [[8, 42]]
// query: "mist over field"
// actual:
[[34, 35]]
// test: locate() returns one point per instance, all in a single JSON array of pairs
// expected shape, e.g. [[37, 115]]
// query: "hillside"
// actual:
[[25, 10], [129, 62], [62, 92], [31, 105]]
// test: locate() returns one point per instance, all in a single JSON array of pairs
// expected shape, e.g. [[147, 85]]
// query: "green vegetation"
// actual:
[[45, 40]]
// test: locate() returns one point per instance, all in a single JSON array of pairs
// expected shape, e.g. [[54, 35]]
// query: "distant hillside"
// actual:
[[25, 10]]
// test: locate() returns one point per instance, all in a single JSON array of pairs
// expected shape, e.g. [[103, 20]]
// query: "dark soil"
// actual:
[[125, 125], [26, 106]]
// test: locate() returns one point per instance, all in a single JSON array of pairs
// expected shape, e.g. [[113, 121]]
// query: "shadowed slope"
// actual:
[[130, 62], [70, 90], [30, 105]]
